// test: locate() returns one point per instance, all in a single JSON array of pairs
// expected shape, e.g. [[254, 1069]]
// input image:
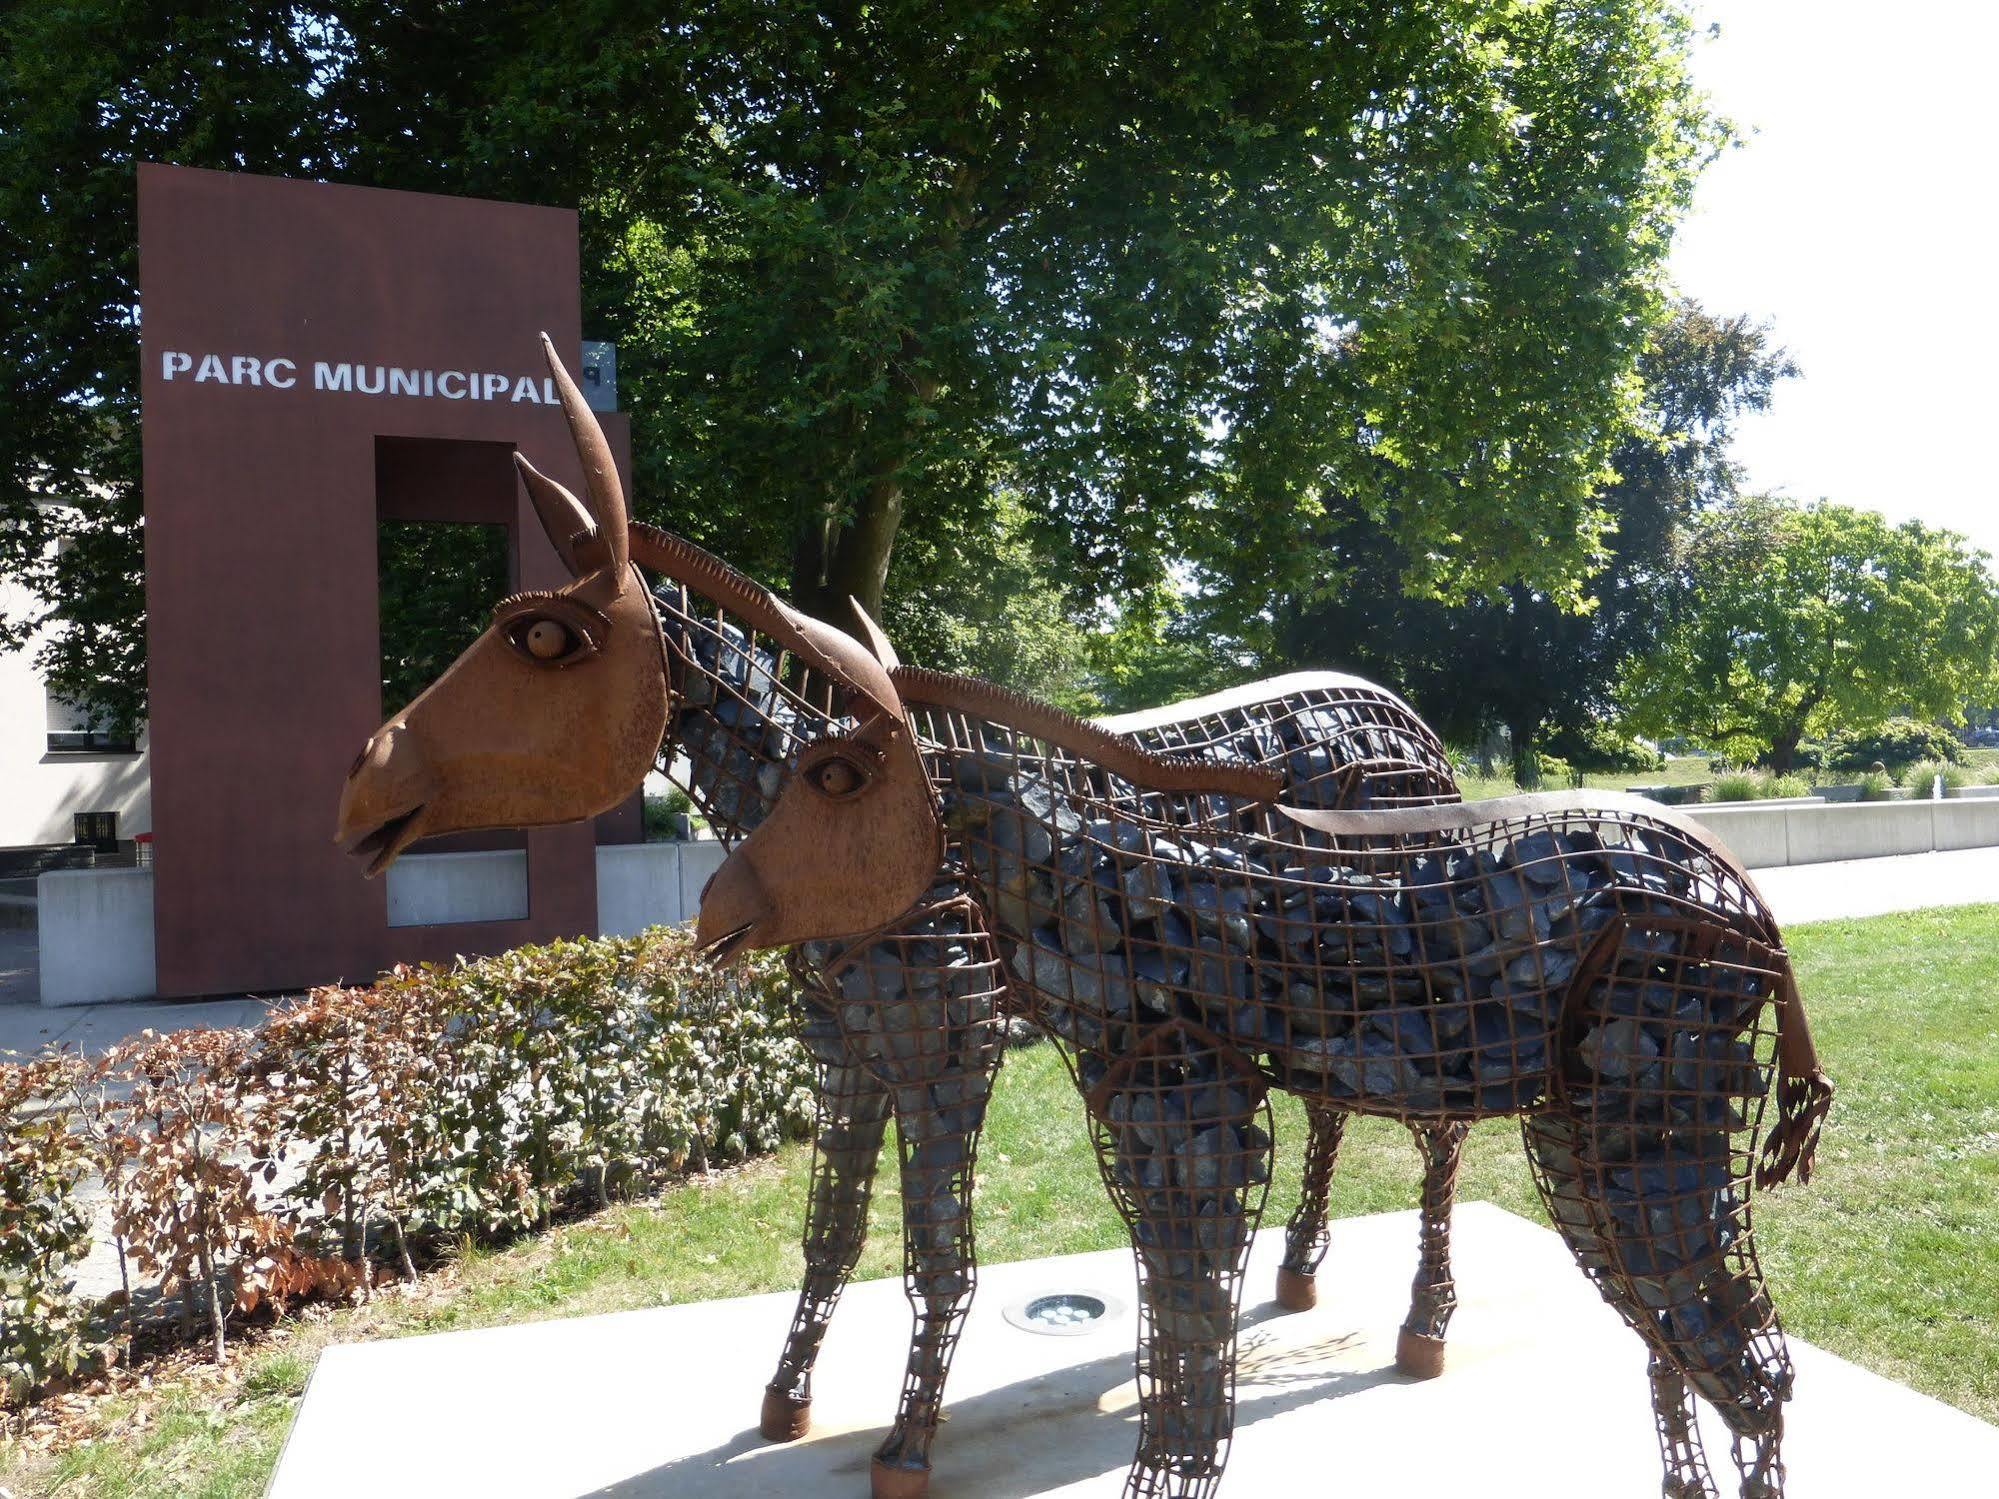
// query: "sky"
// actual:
[[1858, 218]]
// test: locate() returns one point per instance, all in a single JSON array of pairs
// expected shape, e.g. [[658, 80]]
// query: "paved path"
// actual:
[[1545, 1397], [1873, 887]]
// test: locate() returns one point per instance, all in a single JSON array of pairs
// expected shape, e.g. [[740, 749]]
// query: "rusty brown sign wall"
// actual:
[[313, 354]]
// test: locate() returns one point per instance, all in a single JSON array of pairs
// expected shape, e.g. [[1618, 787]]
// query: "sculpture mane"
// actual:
[[1142, 767]]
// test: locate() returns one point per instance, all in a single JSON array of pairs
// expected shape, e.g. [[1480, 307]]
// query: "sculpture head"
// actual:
[[854, 838], [554, 712], [858, 831]]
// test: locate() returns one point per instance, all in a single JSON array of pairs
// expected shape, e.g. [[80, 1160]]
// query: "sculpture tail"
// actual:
[[1804, 1095]]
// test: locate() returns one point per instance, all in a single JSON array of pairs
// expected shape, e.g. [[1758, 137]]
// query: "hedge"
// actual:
[[357, 1129], [1896, 742]]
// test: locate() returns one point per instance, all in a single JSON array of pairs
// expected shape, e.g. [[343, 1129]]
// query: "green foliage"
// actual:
[[44, 1230], [1896, 742], [660, 812], [1921, 777], [1875, 786], [472, 1101], [438, 584], [869, 269], [1796, 618], [1597, 746], [1747, 786], [982, 599], [1525, 657]]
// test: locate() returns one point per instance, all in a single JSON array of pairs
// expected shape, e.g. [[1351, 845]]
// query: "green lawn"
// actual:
[[1683, 770], [1890, 1256]]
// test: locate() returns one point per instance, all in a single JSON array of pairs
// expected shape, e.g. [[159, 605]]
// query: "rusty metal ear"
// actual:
[[606, 492], [563, 517], [815, 643], [873, 637]]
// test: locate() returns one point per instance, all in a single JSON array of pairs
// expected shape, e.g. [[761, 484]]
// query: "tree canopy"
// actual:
[[1181, 283], [1520, 658], [1796, 619]]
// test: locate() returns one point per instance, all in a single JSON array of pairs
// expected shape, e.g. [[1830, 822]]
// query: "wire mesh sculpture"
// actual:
[[1598, 966], [906, 1023]]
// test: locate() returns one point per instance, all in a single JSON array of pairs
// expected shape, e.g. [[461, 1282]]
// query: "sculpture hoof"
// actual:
[[786, 1418], [889, 1482], [1419, 1355], [1296, 1291]]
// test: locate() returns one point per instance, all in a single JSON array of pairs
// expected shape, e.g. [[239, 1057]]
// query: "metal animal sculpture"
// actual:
[[907, 1021], [1599, 966], [904, 1021]]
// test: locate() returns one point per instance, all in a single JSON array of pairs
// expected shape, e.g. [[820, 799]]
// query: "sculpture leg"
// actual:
[[853, 1115], [940, 1268], [940, 1044], [1680, 1450], [1306, 1237], [1184, 1144], [1553, 1143], [1419, 1350]]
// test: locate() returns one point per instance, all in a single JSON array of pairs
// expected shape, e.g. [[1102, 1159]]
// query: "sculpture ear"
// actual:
[[563, 517], [872, 637]]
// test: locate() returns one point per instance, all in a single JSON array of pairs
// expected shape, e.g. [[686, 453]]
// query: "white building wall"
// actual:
[[39, 791]]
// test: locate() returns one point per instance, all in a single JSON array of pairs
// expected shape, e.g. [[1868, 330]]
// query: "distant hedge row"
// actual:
[[330, 1146]]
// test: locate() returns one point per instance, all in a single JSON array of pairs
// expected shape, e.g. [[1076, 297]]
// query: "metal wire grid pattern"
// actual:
[[1600, 973], [875, 1012]]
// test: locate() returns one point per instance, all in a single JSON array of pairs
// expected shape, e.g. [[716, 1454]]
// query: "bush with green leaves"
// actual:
[[45, 1335], [1899, 741], [1600, 747], [1921, 777], [1875, 786], [358, 1126], [1750, 786]]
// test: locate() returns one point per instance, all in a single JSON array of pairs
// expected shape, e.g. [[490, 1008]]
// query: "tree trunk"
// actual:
[[1526, 756], [1784, 748]]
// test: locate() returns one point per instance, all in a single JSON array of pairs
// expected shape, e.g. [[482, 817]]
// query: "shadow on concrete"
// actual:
[[1021, 1439]]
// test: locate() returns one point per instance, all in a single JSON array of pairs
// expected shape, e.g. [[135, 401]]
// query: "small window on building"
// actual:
[[77, 731]]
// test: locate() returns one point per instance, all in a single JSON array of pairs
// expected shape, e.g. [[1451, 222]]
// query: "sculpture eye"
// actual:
[[836, 777], [544, 638]]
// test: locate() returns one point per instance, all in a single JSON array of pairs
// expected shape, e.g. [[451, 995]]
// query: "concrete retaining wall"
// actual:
[[97, 924], [647, 884], [96, 935], [1771, 834], [439, 889]]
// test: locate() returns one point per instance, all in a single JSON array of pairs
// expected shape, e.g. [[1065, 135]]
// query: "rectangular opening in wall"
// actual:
[[446, 551]]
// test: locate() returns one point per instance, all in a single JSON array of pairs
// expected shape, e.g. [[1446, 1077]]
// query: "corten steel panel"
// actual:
[[260, 545]]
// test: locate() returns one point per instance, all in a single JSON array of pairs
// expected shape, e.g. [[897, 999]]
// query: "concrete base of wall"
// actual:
[[443, 889], [650, 884], [96, 935], [97, 924], [1773, 834]]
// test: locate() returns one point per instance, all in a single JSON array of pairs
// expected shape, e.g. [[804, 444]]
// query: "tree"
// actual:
[[1798, 619], [1519, 657], [1174, 276]]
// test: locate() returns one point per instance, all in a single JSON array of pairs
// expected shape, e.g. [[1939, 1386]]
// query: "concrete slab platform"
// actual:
[[1545, 1396]]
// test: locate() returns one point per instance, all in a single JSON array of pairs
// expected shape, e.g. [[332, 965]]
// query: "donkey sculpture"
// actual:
[[905, 1021], [1339, 742], [1597, 965]]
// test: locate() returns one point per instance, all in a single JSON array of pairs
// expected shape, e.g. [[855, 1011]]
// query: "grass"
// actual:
[[1681, 770], [1890, 1257]]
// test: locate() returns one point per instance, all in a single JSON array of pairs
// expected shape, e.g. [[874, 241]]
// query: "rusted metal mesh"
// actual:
[[1602, 973], [907, 1023]]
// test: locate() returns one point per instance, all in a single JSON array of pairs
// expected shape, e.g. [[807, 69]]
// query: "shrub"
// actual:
[[44, 1230], [470, 1100], [1897, 742], [1875, 785], [1600, 747], [1809, 755], [1921, 777], [1744, 786]]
